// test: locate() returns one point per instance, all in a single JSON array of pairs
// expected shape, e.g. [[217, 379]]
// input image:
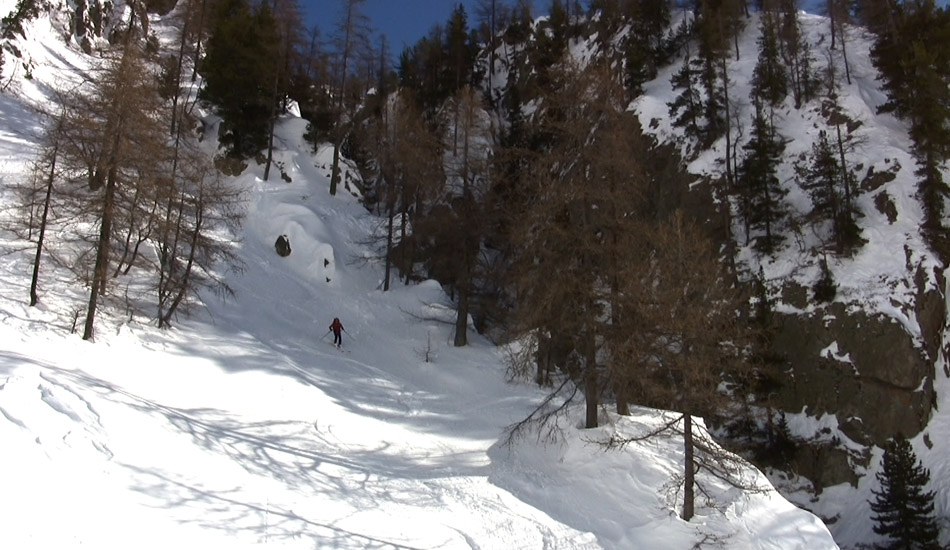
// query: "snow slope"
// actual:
[[244, 428]]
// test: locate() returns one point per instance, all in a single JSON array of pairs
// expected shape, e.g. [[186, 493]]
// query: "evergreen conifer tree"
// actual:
[[238, 73], [686, 109], [713, 31], [830, 187], [769, 78], [762, 193], [903, 509]]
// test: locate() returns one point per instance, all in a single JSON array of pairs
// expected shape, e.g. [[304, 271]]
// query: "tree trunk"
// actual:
[[405, 255], [127, 244], [335, 171], [39, 242], [348, 29], [167, 274], [543, 360], [831, 18], [178, 66], [844, 55], [622, 396], [189, 265], [201, 25], [591, 386], [725, 90], [689, 470], [591, 390], [273, 122], [102, 256], [461, 319], [844, 172], [270, 145], [389, 243], [168, 247]]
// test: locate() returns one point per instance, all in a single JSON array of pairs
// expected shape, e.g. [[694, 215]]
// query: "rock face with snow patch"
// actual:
[[866, 369]]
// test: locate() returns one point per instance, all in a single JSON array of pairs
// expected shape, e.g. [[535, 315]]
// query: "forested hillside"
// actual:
[[732, 211]]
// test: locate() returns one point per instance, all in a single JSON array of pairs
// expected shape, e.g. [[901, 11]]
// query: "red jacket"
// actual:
[[336, 326]]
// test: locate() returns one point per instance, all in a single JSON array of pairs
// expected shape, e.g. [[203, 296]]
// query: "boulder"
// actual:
[[283, 246]]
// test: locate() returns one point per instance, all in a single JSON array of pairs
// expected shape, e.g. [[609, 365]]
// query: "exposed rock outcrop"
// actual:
[[871, 371]]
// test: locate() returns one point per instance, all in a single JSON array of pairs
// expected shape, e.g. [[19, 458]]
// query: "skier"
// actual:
[[337, 328]]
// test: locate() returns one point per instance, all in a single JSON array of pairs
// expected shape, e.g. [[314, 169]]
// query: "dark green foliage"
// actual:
[[912, 53], [701, 106], [440, 64], [875, 15], [760, 202], [686, 109], [560, 20], [636, 64], [608, 19], [420, 69], [825, 288], [309, 86], [769, 78], [650, 20], [831, 188], [903, 508], [168, 77], [11, 25], [713, 34], [779, 445], [461, 49], [239, 71], [318, 111], [714, 108], [796, 53], [646, 47], [543, 53]]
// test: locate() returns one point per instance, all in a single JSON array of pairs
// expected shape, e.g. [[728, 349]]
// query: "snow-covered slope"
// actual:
[[243, 427], [246, 428], [877, 278]]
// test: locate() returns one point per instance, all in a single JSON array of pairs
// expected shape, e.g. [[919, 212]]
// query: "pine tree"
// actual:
[[769, 78], [714, 29], [830, 188], [761, 192], [238, 73], [686, 109], [904, 510], [796, 53], [645, 47]]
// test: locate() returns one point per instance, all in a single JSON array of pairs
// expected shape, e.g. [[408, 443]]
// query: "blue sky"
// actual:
[[404, 22]]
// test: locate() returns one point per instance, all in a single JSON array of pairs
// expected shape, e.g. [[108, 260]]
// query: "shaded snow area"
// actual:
[[243, 427]]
